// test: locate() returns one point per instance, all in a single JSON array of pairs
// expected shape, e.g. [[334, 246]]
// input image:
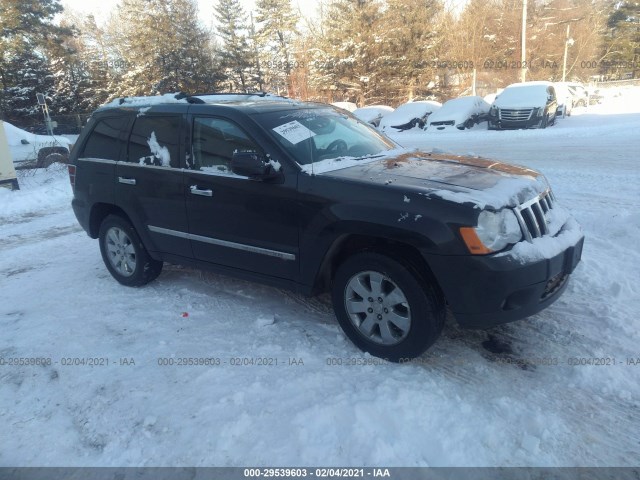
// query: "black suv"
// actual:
[[305, 196]]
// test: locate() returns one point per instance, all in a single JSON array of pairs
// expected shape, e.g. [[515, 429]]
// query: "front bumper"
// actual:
[[496, 123], [483, 291]]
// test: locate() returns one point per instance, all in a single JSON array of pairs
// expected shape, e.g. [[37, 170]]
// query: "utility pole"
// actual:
[[473, 92], [568, 41], [523, 57]]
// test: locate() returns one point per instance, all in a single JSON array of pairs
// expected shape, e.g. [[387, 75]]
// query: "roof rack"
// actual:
[[183, 97]]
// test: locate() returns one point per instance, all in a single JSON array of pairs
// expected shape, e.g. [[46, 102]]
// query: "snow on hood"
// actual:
[[523, 95], [460, 179], [348, 106], [459, 109], [407, 112], [15, 136], [372, 112]]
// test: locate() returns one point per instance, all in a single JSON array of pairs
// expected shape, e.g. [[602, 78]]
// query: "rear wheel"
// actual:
[[124, 255], [48, 156], [544, 122], [385, 307]]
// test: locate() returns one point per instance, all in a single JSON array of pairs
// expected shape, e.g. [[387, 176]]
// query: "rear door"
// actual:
[[149, 183], [235, 221]]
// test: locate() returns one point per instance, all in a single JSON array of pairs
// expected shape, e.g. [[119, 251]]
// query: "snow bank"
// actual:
[[40, 190]]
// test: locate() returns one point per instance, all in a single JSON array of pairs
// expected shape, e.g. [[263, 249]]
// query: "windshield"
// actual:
[[322, 135]]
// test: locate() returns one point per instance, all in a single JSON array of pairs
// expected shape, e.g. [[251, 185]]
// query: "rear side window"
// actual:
[[104, 141], [154, 141]]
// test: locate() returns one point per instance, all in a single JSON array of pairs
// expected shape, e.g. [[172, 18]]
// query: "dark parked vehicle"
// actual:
[[305, 196], [524, 105]]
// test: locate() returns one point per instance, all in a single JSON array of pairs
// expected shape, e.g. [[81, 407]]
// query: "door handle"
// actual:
[[127, 181], [196, 191]]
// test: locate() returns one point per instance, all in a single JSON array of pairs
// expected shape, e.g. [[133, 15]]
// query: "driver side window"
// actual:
[[214, 142]]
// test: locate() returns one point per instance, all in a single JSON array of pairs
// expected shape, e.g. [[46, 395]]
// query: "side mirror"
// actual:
[[252, 165], [24, 141]]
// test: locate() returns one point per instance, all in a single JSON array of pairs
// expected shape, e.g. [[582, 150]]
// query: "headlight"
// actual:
[[495, 230], [539, 112], [493, 111]]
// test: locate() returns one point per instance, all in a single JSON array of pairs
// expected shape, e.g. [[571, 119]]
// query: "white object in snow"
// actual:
[[348, 106], [404, 114], [461, 113], [7, 171], [372, 114], [24, 146]]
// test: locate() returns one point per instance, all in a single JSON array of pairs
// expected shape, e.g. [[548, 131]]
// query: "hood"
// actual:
[[460, 179]]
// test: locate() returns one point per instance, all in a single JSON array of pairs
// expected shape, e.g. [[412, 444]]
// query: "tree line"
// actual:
[[364, 51]]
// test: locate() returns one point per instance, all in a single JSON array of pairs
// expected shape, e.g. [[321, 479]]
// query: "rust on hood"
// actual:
[[396, 162]]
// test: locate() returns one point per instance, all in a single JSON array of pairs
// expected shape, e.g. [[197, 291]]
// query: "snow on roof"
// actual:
[[179, 97], [145, 101]]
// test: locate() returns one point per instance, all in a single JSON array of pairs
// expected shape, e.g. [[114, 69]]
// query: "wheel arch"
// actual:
[[351, 243], [100, 211]]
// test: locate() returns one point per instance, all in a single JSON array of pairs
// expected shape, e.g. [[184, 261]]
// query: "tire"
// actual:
[[48, 156], [397, 315], [544, 122], [50, 160], [124, 255]]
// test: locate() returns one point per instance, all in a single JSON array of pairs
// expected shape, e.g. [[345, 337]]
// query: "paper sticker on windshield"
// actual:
[[294, 131]]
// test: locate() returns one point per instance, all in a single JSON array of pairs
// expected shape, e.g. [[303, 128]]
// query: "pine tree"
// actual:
[[345, 57], [26, 32], [622, 42], [158, 46], [276, 33], [413, 48], [34, 76], [236, 55]]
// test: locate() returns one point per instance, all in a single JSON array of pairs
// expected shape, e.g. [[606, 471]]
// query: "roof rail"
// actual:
[[244, 94], [183, 97]]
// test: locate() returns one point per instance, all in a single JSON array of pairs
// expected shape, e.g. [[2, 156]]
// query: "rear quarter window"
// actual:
[[105, 140]]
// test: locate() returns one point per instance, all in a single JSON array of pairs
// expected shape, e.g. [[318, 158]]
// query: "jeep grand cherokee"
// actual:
[[304, 196]]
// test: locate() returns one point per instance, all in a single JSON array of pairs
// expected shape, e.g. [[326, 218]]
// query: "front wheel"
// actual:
[[124, 254], [385, 307]]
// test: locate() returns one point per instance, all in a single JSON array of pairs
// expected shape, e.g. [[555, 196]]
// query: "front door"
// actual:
[[235, 221]]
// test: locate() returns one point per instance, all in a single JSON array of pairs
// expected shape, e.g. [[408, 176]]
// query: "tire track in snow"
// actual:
[[14, 241]]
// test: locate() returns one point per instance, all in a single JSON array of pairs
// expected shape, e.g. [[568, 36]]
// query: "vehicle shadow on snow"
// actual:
[[496, 345]]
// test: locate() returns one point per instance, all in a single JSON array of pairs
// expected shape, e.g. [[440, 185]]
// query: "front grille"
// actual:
[[515, 115], [533, 215]]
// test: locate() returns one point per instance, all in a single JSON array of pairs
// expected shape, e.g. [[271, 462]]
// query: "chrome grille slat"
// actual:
[[539, 216], [517, 115], [532, 215]]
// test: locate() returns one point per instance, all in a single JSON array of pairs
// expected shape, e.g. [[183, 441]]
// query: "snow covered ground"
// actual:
[[461, 404]]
